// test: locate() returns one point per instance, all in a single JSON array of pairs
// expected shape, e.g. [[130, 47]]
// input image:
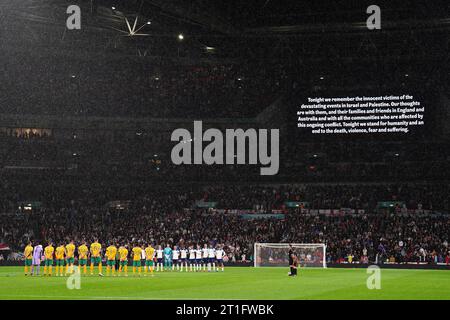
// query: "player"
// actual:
[[191, 258], [219, 257], [143, 256], [123, 253], [48, 254], [110, 254], [36, 263], [136, 252], [175, 258], [167, 257], [211, 259], [294, 265], [149, 256], [204, 257], [183, 260], [70, 254], [28, 254], [59, 254], [82, 256], [117, 265], [198, 258], [96, 258], [159, 258]]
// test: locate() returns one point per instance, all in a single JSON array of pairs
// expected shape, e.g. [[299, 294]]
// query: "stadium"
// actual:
[[232, 150]]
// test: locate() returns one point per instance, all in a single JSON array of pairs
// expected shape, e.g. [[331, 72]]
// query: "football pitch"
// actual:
[[234, 283]]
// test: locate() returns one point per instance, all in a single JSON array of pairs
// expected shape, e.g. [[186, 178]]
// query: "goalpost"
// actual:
[[276, 254]]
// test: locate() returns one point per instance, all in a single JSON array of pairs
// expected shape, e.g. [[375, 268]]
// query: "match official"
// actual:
[[293, 262]]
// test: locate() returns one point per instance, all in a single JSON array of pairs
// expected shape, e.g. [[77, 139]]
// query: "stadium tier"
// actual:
[[357, 221]]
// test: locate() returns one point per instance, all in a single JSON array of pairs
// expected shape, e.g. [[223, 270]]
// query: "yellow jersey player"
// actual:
[[48, 254], [111, 252], [123, 253], [82, 256], [149, 256], [59, 254], [96, 249], [70, 257], [137, 253], [28, 253]]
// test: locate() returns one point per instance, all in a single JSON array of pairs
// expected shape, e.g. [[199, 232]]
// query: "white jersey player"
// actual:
[[198, 258], [211, 259], [204, 256], [192, 252], [219, 257], [159, 258], [183, 258], [175, 258]]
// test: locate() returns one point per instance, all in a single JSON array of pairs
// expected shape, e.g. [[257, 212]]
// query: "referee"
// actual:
[[292, 262]]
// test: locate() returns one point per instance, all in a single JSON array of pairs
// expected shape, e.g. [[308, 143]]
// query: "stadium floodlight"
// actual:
[[276, 254], [133, 31]]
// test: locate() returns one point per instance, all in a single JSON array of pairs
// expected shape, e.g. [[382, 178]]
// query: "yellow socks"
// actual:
[[113, 269]]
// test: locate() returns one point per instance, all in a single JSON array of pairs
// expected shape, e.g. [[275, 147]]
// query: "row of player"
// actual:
[[193, 258]]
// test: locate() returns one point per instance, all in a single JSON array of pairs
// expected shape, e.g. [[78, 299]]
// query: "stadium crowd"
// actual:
[[121, 156], [79, 174], [166, 89], [171, 216]]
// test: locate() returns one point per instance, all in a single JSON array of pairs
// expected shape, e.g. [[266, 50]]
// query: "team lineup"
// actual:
[[191, 259]]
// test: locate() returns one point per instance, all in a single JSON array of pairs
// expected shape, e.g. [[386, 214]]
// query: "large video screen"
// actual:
[[361, 114]]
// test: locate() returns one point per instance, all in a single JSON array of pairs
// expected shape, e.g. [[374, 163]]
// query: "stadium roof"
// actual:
[[229, 28], [318, 40]]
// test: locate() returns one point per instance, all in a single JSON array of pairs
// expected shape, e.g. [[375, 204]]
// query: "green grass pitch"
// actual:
[[234, 283]]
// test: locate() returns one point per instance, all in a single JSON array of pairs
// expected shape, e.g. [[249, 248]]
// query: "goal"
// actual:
[[276, 254]]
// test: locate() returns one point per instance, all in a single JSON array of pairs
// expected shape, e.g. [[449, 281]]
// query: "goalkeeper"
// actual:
[[168, 258]]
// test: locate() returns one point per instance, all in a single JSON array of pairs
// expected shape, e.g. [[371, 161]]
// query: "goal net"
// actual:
[[277, 254]]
